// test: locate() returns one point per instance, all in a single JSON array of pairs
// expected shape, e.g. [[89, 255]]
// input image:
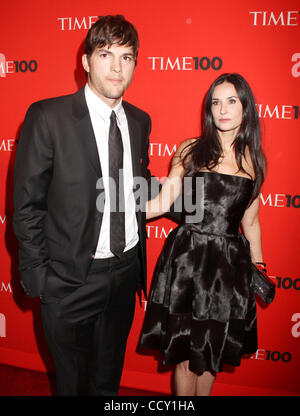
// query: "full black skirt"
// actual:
[[202, 306]]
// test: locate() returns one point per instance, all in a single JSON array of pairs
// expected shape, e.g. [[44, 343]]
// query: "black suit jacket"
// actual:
[[56, 170]]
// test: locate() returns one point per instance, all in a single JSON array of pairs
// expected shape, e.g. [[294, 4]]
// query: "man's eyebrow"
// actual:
[[104, 50], [111, 53]]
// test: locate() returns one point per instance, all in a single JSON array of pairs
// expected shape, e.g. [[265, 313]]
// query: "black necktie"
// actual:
[[116, 188]]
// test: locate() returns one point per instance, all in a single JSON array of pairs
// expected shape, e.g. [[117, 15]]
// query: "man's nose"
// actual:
[[115, 65]]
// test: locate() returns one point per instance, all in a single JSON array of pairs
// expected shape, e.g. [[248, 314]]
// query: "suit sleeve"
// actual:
[[32, 176], [153, 184]]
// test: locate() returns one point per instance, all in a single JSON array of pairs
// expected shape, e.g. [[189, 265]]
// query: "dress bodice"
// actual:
[[224, 200]]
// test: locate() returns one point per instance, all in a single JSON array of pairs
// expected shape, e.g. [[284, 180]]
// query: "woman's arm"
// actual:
[[252, 231], [171, 187]]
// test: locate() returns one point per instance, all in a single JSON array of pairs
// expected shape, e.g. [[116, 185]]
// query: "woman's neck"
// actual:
[[226, 140]]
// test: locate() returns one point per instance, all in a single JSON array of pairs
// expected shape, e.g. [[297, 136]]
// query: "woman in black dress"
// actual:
[[201, 311]]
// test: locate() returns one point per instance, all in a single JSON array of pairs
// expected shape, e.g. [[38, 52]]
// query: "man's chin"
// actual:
[[114, 95]]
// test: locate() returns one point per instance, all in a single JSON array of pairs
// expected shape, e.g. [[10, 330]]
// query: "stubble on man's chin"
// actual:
[[114, 95]]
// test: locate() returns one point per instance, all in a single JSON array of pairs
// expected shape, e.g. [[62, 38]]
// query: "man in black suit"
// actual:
[[82, 261]]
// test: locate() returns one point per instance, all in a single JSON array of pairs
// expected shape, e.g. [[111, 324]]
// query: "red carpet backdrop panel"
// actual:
[[184, 46]]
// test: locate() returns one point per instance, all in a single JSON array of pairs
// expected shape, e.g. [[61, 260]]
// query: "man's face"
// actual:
[[110, 71]]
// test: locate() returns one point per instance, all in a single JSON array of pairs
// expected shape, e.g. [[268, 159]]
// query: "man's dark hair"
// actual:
[[110, 30]]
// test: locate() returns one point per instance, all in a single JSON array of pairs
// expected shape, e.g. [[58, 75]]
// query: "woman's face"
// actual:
[[226, 107]]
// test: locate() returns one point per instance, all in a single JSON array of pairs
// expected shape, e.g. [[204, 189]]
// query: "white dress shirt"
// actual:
[[100, 115]]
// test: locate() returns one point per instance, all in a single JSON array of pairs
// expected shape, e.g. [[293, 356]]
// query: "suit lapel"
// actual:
[[134, 136], [85, 129], [86, 133]]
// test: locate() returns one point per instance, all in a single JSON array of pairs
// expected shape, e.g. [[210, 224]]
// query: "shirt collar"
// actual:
[[99, 106]]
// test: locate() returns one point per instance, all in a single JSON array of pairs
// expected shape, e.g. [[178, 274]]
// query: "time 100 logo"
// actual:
[[16, 66]]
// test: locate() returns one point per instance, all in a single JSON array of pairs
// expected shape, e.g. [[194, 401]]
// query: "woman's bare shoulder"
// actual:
[[182, 150], [185, 146]]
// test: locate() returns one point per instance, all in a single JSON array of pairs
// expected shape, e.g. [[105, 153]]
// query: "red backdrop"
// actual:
[[184, 47]]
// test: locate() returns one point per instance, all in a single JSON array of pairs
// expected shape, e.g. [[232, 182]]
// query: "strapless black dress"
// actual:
[[202, 306]]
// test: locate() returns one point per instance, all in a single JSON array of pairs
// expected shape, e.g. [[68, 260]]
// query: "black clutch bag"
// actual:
[[262, 284]]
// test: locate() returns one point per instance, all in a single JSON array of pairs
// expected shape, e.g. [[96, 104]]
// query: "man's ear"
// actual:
[[85, 63]]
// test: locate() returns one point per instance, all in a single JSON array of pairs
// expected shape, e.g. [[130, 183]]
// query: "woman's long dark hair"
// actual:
[[206, 151]]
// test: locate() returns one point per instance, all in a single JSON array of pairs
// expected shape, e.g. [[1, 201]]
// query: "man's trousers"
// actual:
[[87, 330]]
